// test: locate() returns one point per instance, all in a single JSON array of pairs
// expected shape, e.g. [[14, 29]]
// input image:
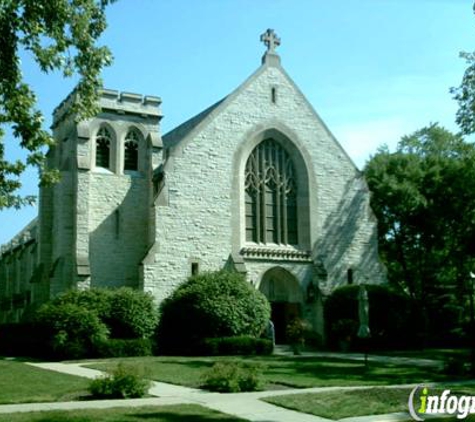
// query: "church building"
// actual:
[[256, 183]]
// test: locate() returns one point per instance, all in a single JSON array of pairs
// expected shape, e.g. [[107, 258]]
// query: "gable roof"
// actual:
[[180, 132], [26, 235]]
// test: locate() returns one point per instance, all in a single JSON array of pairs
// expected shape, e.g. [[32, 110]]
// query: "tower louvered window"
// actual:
[[103, 143], [271, 195], [131, 153]]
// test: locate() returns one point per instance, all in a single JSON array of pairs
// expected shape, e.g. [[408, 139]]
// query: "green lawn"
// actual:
[[189, 413], [296, 372], [343, 404], [22, 383], [437, 354]]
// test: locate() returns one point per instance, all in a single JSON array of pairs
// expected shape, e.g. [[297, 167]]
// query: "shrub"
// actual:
[[132, 314], [233, 377], [94, 300], [296, 331], [128, 313], [72, 331], [392, 316], [121, 383], [210, 305], [124, 348], [242, 345]]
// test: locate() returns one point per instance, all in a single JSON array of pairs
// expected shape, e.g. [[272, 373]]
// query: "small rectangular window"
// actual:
[[195, 268], [274, 95], [117, 223], [350, 276]]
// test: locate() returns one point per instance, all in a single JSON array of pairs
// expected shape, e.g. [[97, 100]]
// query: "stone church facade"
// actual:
[[256, 183]]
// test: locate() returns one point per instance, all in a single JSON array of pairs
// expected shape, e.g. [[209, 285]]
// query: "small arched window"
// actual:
[[131, 151], [103, 145], [271, 195]]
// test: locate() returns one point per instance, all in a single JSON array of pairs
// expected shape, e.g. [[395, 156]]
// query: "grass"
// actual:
[[363, 402], [437, 354], [175, 413], [294, 372], [22, 383]]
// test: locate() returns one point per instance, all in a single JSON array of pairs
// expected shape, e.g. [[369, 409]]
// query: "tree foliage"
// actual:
[[60, 35], [464, 94], [423, 195], [393, 319]]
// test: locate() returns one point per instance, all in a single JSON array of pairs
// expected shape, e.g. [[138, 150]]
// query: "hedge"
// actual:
[[393, 317], [242, 345], [122, 348]]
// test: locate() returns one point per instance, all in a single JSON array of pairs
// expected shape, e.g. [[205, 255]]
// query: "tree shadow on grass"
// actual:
[[299, 372], [189, 417], [189, 413], [332, 372]]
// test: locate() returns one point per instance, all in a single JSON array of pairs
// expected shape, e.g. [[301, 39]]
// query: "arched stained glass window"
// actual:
[[103, 144], [270, 195], [131, 152]]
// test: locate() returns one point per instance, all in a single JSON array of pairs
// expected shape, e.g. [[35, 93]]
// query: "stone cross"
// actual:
[[271, 40]]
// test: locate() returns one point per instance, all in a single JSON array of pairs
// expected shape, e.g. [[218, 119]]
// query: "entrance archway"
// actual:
[[283, 291]]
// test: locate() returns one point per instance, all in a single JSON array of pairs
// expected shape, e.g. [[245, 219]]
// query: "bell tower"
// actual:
[[95, 223]]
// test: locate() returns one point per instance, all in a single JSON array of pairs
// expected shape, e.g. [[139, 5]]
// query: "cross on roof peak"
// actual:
[[271, 41]]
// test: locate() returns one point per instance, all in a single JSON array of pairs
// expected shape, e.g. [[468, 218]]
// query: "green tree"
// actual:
[[423, 195], [60, 35], [464, 94]]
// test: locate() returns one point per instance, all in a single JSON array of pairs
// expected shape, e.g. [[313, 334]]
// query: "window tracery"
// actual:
[[270, 195], [103, 144], [131, 151]]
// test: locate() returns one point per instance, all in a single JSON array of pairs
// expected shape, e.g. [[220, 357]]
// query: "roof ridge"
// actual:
[[172, 137]]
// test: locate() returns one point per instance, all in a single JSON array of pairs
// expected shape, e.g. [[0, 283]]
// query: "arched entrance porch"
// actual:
[[283, 291]]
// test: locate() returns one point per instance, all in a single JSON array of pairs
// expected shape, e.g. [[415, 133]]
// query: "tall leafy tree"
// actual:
[[60, 35], [464, 94], [424, 198], [423, 195]]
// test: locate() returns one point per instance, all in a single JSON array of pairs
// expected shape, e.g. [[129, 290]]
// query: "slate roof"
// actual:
[[173, 137], [28, 233]]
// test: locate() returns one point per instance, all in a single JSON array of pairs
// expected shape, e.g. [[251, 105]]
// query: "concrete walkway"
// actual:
[[244, 405]]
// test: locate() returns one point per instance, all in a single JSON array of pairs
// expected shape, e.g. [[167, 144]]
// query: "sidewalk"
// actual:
[[244, 405]]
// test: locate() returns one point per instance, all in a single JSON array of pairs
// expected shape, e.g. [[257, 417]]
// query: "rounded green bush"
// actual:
[[233, 377], [128, 313], [133, 314], [95, 300], [209, 305], [72, 330], [123, 382]]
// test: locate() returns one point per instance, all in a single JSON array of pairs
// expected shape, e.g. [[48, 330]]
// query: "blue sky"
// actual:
[[373, 69]]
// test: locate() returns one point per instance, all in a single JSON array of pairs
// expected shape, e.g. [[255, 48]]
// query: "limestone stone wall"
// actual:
[[117, 228], [203, 217], [113, 205], [18, 260], [94, 225], [183, 209]]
